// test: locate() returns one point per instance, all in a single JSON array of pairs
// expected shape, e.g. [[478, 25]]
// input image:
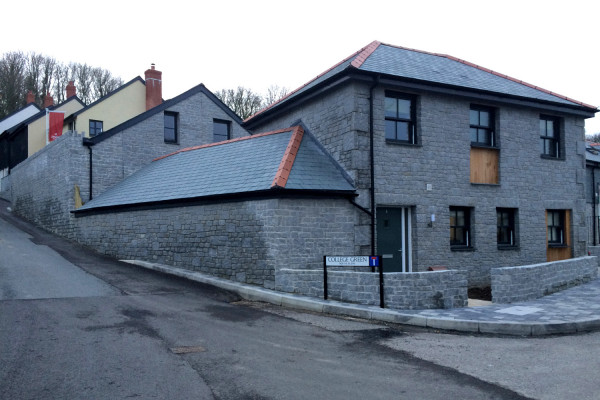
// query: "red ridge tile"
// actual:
[[287, 161]]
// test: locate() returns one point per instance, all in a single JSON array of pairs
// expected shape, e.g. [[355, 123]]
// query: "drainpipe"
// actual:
[[372, 161], [594, 187]]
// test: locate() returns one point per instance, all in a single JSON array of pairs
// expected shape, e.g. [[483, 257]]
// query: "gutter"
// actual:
[[89, 146]]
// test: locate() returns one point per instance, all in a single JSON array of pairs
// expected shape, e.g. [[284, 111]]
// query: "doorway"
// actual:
[[394, 239]]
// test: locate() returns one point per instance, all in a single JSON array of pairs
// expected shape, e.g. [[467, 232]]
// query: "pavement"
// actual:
[[569, 311]]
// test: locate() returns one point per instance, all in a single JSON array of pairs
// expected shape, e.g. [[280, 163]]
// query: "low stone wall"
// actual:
[[511, 284], [594, 251], [417, 290], [5, 192]]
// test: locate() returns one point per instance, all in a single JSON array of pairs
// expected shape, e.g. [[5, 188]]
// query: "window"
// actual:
[[556, 227], [95, 127], [221, 130], [400, 118], [506, 218], [481, 122], [460, 227], [171, 127], [550, 136]]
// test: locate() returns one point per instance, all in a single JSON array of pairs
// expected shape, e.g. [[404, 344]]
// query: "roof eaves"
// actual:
[[470, 64], [204, 146], [287, 161], [19, 110]]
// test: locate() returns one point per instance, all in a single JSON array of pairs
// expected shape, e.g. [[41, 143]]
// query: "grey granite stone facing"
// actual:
[[513, 284]]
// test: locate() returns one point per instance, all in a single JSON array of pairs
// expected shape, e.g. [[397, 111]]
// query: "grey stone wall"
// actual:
[[245, 241], [528, 282], [126, 152], [417, 290], [43, 186], [529, 183]]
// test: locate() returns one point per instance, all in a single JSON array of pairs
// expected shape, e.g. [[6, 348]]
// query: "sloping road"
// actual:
[[77, 325]]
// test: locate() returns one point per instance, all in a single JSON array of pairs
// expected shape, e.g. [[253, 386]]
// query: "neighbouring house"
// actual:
[[10, 121], [30, 135], [73, 169], [455, 165], [592, 157]]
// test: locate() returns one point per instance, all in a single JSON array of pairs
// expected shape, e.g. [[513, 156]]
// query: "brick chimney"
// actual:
[[153, 87], [48, 100], [30, 97], [71, 91]]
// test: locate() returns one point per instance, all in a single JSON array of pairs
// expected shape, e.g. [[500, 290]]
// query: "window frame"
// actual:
[[560, 227], [174, 130], [490, 128], [221, 122], [555, 140], [466, 243], [511, 227], [95, 122], [411, 121]]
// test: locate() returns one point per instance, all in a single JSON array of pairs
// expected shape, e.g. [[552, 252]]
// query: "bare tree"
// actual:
[[61, 78], [12, 82], [82, 74], [242, 101], [274, 93], [103, 82]]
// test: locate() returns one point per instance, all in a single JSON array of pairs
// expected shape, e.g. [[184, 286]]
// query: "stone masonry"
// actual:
[[528, 182], [512, 284], [417, 290]]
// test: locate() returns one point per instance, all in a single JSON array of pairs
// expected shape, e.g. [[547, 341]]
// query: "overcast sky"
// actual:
[[258, 43]]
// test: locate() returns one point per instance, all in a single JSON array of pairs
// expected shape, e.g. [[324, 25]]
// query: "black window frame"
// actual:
[[506, 227], [171, 134], [466, 240], [411, 120], [217, 137], [550, 142], [489, 129], [93, 127], [555, 226]]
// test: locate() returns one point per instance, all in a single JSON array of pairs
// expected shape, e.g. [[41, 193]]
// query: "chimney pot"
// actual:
[[71, 90], [153, 87], [48, 100], [30, 97]]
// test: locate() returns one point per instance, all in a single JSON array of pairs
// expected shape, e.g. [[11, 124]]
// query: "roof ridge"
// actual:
[[355, 54], [203, 146], [510, 78], [287, 161], [365, 53]]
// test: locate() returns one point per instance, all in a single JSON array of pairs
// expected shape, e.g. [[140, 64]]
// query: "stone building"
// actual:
[[455, 165], [72, 169]]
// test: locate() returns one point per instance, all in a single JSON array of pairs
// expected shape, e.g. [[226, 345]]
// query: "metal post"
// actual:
[[381, 303], [325, 277]]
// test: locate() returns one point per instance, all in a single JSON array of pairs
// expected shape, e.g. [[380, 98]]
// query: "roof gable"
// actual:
[[109, 95], [18, 116], [263, 163], [160, 108]]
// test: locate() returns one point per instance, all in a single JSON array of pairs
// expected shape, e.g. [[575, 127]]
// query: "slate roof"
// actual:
[[267, 163], [24, 108], [40, 114], [592, 152], [430, 68]]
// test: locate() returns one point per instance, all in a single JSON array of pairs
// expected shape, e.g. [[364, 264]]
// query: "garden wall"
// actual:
[[527, 282], [415, 290]]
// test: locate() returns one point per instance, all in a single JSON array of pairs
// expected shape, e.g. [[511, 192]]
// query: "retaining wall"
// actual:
[[417, 290], [527, 282]]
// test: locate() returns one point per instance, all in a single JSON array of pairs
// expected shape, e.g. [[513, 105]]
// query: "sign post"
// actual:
[[354, 261]]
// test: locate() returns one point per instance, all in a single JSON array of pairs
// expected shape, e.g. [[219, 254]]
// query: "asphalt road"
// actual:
[[76, 325]]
